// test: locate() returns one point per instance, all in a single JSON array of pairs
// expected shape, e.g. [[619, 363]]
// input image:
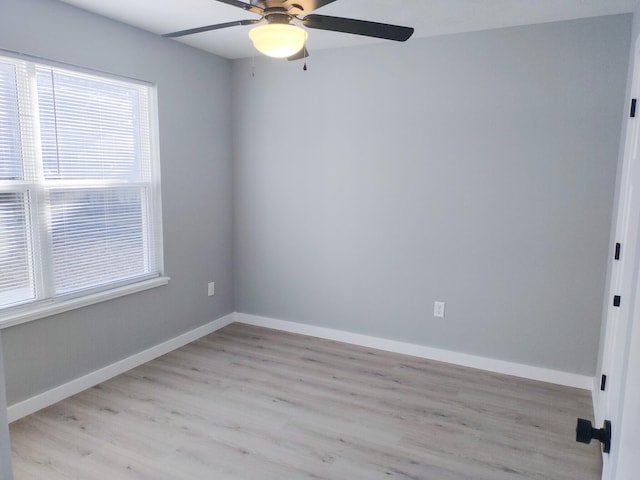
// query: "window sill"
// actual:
[[41, 311]]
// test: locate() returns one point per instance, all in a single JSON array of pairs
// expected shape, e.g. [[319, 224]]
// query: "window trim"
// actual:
[[35, 310], [47, 308]]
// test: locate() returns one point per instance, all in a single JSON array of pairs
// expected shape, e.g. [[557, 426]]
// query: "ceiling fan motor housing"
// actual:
[[277, 16]]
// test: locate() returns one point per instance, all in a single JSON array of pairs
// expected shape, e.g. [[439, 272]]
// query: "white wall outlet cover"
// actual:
[[438, 309], [211, 288]]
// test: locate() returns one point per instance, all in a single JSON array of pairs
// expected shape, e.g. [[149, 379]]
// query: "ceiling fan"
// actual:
[[280, 37]]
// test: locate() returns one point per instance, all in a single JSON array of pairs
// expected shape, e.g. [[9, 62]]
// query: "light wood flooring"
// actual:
[[258, 404]]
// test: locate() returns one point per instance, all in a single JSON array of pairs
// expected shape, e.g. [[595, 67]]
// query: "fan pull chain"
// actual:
[[253, 66], [304, 52]]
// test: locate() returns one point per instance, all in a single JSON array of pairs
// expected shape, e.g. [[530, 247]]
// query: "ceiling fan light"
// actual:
[[279, 40]]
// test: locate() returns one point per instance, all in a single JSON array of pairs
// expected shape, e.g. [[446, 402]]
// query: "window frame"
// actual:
[[48, 305]]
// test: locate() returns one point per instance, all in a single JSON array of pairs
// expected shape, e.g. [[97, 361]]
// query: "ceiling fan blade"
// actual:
[[303, 53], [297, 7], [358, 27], [208, 28], [245, 6]]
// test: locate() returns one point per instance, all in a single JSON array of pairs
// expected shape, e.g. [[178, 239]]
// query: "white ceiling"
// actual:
[[428, 17]]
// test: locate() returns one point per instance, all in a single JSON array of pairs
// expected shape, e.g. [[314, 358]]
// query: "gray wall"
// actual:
[[194, 109], [477, 169]]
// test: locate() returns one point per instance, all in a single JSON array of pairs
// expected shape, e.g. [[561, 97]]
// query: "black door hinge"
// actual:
[[603, 383], [616, 300], [617, 255], [633, 108]]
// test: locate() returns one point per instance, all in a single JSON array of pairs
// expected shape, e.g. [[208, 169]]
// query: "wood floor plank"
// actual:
[[253, 403]]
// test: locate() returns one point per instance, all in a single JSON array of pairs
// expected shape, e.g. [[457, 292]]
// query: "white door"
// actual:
[[620, 352]]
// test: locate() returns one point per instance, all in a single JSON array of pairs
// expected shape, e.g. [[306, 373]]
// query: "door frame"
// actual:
[[621, 347], [626, 463], [5, 445]]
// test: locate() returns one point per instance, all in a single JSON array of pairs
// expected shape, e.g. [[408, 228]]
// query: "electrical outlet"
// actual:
[[211, 288], [438, 309]]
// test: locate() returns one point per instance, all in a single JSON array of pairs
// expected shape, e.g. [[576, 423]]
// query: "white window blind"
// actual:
[[79, 188]]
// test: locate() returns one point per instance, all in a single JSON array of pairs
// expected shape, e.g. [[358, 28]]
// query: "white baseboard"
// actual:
[[463, 359], [45, 399]]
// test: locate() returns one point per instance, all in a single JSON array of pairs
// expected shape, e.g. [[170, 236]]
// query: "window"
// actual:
[[79, 184]]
